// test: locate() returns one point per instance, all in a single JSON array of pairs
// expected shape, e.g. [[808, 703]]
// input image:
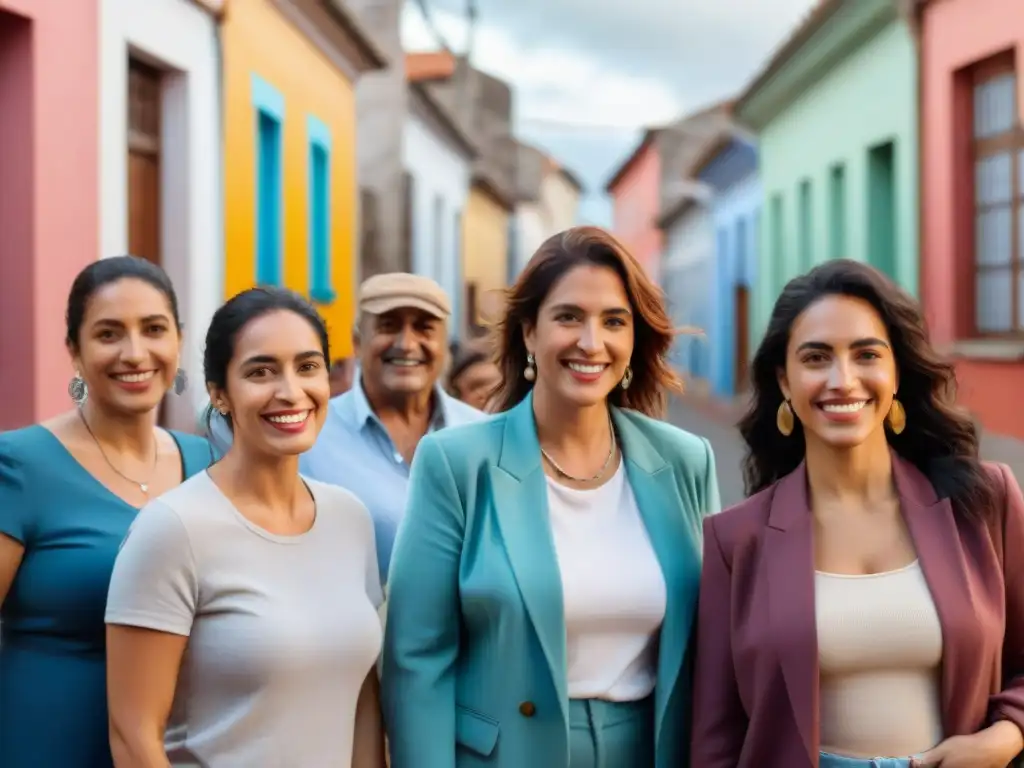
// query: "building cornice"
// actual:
[[426, 108], [830, 33], [336, 33]]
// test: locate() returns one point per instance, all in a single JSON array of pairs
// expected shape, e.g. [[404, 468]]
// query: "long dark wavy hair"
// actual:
[[653, 377], [940, 439]]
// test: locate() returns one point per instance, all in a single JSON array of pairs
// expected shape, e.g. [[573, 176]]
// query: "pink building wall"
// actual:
[[636, 199], [957, 34], [49, 208]]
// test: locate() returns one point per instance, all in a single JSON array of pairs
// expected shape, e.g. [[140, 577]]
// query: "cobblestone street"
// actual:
[[717, 426]]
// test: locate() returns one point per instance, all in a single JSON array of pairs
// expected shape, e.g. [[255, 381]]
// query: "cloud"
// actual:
[[554, 83], [589, 75]]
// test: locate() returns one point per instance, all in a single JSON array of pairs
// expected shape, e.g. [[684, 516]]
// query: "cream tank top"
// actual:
[[880, 651]]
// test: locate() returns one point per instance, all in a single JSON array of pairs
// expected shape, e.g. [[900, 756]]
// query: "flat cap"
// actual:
[[402, 290]]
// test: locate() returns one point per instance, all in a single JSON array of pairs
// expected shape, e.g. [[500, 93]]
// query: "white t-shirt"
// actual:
[[613, 590], [282, 630]]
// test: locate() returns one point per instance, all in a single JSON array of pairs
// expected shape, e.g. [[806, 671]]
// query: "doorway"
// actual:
[[144, 150], [144, 145], [741, 311]]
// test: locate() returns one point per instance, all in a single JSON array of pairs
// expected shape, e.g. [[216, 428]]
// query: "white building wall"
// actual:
[[555, 210], [181, 38], [440, 173], [562, 201], [530, 232]]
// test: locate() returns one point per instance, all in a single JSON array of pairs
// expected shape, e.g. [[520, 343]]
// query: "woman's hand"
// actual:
[[993, 747]]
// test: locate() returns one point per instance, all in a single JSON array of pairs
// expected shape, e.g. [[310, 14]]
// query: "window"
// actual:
[[881, 205], [837, 212], [269, 108], [408, 212], [998, 202], [805, 245], [778, 243], [441, 264], [369, 216], [321, 284], [739, 275]]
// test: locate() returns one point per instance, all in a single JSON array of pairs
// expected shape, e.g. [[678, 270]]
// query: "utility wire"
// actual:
[[429, 20]]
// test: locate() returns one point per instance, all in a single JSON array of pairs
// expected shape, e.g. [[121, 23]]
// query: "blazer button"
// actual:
[[527, 709]]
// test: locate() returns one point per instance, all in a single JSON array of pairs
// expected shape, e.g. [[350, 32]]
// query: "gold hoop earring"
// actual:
[[784, 419], [530, 372], [897, 417]]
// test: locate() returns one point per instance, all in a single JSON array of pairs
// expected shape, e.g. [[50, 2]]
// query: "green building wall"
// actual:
[[839, 169]]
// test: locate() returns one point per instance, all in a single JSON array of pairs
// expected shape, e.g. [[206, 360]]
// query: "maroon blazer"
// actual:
[[756, 680]]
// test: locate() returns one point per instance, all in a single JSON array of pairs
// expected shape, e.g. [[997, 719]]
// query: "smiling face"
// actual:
[[401, 352], [582, 340], [277, 385], [128, 346], [840, 375]]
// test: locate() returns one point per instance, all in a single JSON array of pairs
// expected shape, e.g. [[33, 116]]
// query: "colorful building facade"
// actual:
[[485, 253], [972, 199], [837, 118], [290, 187], [729, 167], [687, 277], [437, 157], [160, 159], [49, 177], [635, 189]]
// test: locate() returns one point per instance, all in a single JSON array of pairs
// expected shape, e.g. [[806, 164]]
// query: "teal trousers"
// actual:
[[606, 734]]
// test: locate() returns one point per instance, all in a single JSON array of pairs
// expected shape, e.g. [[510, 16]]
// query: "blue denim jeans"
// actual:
[[825, 760]]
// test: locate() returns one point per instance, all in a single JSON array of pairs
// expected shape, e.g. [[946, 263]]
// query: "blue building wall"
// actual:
[[736, 218]]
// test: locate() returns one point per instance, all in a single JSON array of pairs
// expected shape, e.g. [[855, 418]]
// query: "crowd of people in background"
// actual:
[[499, 553]]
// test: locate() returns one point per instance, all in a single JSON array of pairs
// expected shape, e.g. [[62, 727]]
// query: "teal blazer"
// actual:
[[474, 667]]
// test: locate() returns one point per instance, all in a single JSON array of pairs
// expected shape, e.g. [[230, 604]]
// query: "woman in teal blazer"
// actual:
[[544, 580]]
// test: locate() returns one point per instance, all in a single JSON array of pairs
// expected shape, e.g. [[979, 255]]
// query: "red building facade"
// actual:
[[972, 199]]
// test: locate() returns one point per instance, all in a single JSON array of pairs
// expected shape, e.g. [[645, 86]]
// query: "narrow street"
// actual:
[[729, 447], [724, 439]]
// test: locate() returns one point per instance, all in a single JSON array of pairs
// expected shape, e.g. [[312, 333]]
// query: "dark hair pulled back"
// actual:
[[105, 272], [234, 315], [940, 439]]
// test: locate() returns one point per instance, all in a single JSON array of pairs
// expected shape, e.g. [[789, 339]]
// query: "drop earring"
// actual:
[[77, 389], [530, 372], [784, 419], [180, 381], [627, 378], [897, 417]]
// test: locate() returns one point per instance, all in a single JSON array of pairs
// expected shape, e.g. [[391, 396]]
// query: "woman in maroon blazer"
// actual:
[[864, 608]]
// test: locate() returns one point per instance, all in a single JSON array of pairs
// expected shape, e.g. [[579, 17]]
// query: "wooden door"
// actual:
[[742, 351], [144, 161]]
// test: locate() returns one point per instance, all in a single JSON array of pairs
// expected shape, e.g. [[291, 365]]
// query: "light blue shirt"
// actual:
[[355, 451]]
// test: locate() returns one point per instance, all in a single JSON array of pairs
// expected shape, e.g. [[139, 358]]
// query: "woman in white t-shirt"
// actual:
[[242, 614]]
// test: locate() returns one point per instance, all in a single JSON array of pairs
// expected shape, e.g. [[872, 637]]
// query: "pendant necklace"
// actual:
[[601, 472], [144, 487]]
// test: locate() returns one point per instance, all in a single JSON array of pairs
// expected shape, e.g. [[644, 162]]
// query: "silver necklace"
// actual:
[[601, 472], [144, 487]]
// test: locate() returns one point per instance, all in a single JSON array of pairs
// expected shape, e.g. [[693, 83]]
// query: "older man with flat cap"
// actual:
[[371, 432]]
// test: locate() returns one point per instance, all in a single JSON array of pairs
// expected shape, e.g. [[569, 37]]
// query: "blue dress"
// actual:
[[53, 701]]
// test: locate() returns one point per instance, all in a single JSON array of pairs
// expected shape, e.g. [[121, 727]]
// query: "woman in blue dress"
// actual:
[[69, 489]]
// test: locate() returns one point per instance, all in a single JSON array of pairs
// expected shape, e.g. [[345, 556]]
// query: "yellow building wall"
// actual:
[[257, 40], [485, 247]]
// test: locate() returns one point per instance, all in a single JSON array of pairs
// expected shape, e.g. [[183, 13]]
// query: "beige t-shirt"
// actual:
[[282, 629]]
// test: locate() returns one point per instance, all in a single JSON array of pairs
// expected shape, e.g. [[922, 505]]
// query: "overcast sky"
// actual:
[[589, 75]]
